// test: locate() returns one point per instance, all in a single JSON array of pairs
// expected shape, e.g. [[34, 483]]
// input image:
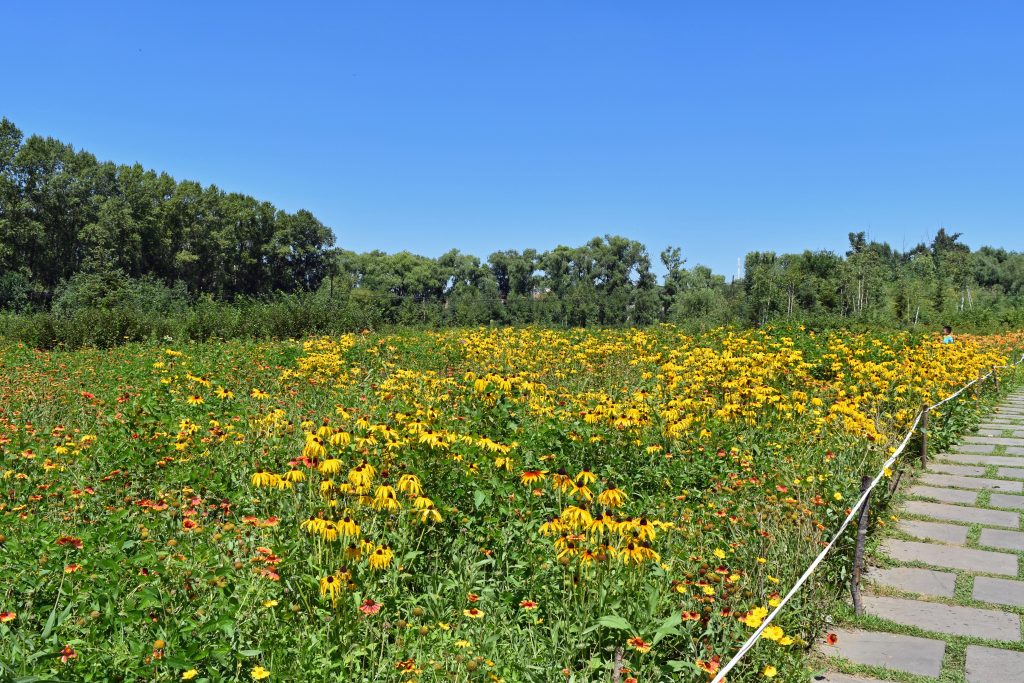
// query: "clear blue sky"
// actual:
[[717, 127]]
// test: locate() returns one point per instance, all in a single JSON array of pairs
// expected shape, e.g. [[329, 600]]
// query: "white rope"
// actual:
[[752, 640]]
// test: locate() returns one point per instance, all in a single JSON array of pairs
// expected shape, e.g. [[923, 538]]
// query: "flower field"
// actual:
[[476, 505]]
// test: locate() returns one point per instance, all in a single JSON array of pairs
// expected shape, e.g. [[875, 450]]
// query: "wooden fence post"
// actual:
[[924, 436], [995, 378], [858, 553]]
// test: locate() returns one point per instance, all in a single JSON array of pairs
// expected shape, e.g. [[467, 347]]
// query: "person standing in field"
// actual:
[[947, 335]]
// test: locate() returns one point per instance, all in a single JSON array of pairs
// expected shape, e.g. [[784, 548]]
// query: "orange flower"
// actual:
[[831, 639], [6, 617], [710, 666], [639, 644], [528, 604]]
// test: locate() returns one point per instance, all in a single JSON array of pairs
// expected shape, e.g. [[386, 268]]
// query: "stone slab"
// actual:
[[999, 591], [993, 440], [974, 483], [992, 665], [960, 513], [1001, 538], [952, 619], [974, 448], [951, 556], [994, 430], [1011, 472], [943, 495], [1006, 500], [913, 655], [914, 580], [985, 449], [934, 531], [981, 459], [836, 677], [962, 470]]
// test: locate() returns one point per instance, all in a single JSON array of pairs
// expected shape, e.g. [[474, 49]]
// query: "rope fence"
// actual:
[[922, 415]]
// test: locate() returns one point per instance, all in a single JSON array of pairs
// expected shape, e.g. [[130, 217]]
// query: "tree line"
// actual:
[[125, 252], [64, 214]]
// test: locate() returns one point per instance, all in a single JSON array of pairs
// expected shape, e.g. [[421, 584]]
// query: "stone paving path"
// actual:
[[949, 596]]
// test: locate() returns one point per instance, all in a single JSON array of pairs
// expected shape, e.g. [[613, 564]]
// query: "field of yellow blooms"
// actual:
[[474, 505]]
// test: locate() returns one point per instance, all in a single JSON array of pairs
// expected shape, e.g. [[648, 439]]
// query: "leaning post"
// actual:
[[995, 378], [858, 553], [924, 436]]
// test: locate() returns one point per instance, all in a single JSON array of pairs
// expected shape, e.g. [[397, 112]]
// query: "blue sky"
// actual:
[[718, 127]]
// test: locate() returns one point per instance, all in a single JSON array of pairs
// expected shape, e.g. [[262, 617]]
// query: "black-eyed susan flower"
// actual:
[[329, 466], [422, 503], [410, 485], [385, 498], [361, 474], [381, 557], [561, 481], [340, 438], [604, 522], [474, 613], [584, 477], [314, 447], [551, 527], [348, 527], [330, 586], [612, 496], [430, 514], [264, 478], [576, 517]]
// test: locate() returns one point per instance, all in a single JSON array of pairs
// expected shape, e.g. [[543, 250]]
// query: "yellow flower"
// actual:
[[409, 484], [258, 673], [270, 603], [773, 633], [611, 497], [837, 495], [330, 586], [473, 613], [770, 671], [719, 553], [381, 557], [189, 675]]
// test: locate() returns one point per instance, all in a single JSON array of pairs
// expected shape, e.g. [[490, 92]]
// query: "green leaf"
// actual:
[[613, 621], [668, 627]]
